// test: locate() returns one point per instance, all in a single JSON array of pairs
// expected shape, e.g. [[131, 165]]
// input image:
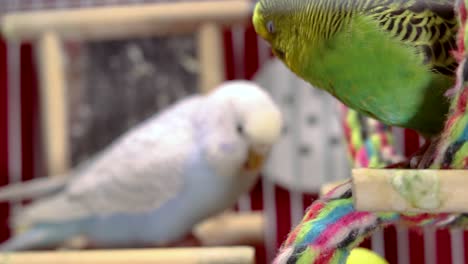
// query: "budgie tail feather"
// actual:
[[33, 189]]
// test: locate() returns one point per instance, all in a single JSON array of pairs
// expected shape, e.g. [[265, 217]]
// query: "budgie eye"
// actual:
[[270, 27], [240, 129]]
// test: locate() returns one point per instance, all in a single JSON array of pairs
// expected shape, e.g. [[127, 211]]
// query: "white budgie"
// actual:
[[154, 183]]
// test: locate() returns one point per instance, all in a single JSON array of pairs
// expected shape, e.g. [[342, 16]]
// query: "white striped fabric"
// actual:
[[312, 151], [402, 245], [457, 246], [430, 249], [14, 117], [238, 43]]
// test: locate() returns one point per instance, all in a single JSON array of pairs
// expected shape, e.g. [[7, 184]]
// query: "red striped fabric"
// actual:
[[29, 111]]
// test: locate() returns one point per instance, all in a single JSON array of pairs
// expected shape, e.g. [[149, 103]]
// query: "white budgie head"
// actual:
[[248, 126]]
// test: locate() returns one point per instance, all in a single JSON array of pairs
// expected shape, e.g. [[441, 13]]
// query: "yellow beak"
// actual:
[[254, 161]]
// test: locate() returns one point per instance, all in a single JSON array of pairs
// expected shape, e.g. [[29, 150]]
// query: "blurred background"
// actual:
[[113, 84]]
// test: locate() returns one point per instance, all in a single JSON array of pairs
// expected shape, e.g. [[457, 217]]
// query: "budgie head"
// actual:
[[294, 27], [247, 128]]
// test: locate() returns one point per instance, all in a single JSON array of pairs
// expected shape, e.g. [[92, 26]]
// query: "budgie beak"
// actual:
[[263, 129], [254, 161]]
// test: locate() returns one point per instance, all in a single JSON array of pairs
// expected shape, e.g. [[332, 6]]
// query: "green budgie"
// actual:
[[388, 59]]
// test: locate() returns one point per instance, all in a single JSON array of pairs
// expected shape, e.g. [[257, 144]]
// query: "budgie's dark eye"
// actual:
[[270, 27], [240, 129]]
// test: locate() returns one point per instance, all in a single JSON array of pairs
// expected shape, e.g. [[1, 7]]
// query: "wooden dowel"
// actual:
[[210, 56], [410, 190], [231, 229], [241, 255], [125, 21], [53, 103]]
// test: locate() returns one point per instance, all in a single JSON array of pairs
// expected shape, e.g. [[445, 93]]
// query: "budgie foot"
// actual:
[[78, 242], [418, 159], [400, 165], [410, 163], [188, 241], [428, 157]]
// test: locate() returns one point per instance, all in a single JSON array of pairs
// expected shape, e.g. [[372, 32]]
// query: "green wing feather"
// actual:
[[430, 26]]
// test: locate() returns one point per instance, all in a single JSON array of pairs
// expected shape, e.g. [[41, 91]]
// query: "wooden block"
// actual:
[[53, 103], [125, 21], [231, 229], [241, 255], [410, 190]]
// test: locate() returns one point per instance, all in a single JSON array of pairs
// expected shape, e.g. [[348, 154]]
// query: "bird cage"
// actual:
[[34, 109]]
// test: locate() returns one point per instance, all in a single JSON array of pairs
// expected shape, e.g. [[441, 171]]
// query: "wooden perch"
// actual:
[[125, 21], [410, 190], [226, 229], [330, 186], [231, 229], [241, 255]]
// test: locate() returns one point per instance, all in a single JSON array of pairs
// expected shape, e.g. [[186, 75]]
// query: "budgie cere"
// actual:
[[154, 183], [389, 59]]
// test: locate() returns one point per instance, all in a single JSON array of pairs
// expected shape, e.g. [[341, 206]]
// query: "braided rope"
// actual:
[[370, 143]]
